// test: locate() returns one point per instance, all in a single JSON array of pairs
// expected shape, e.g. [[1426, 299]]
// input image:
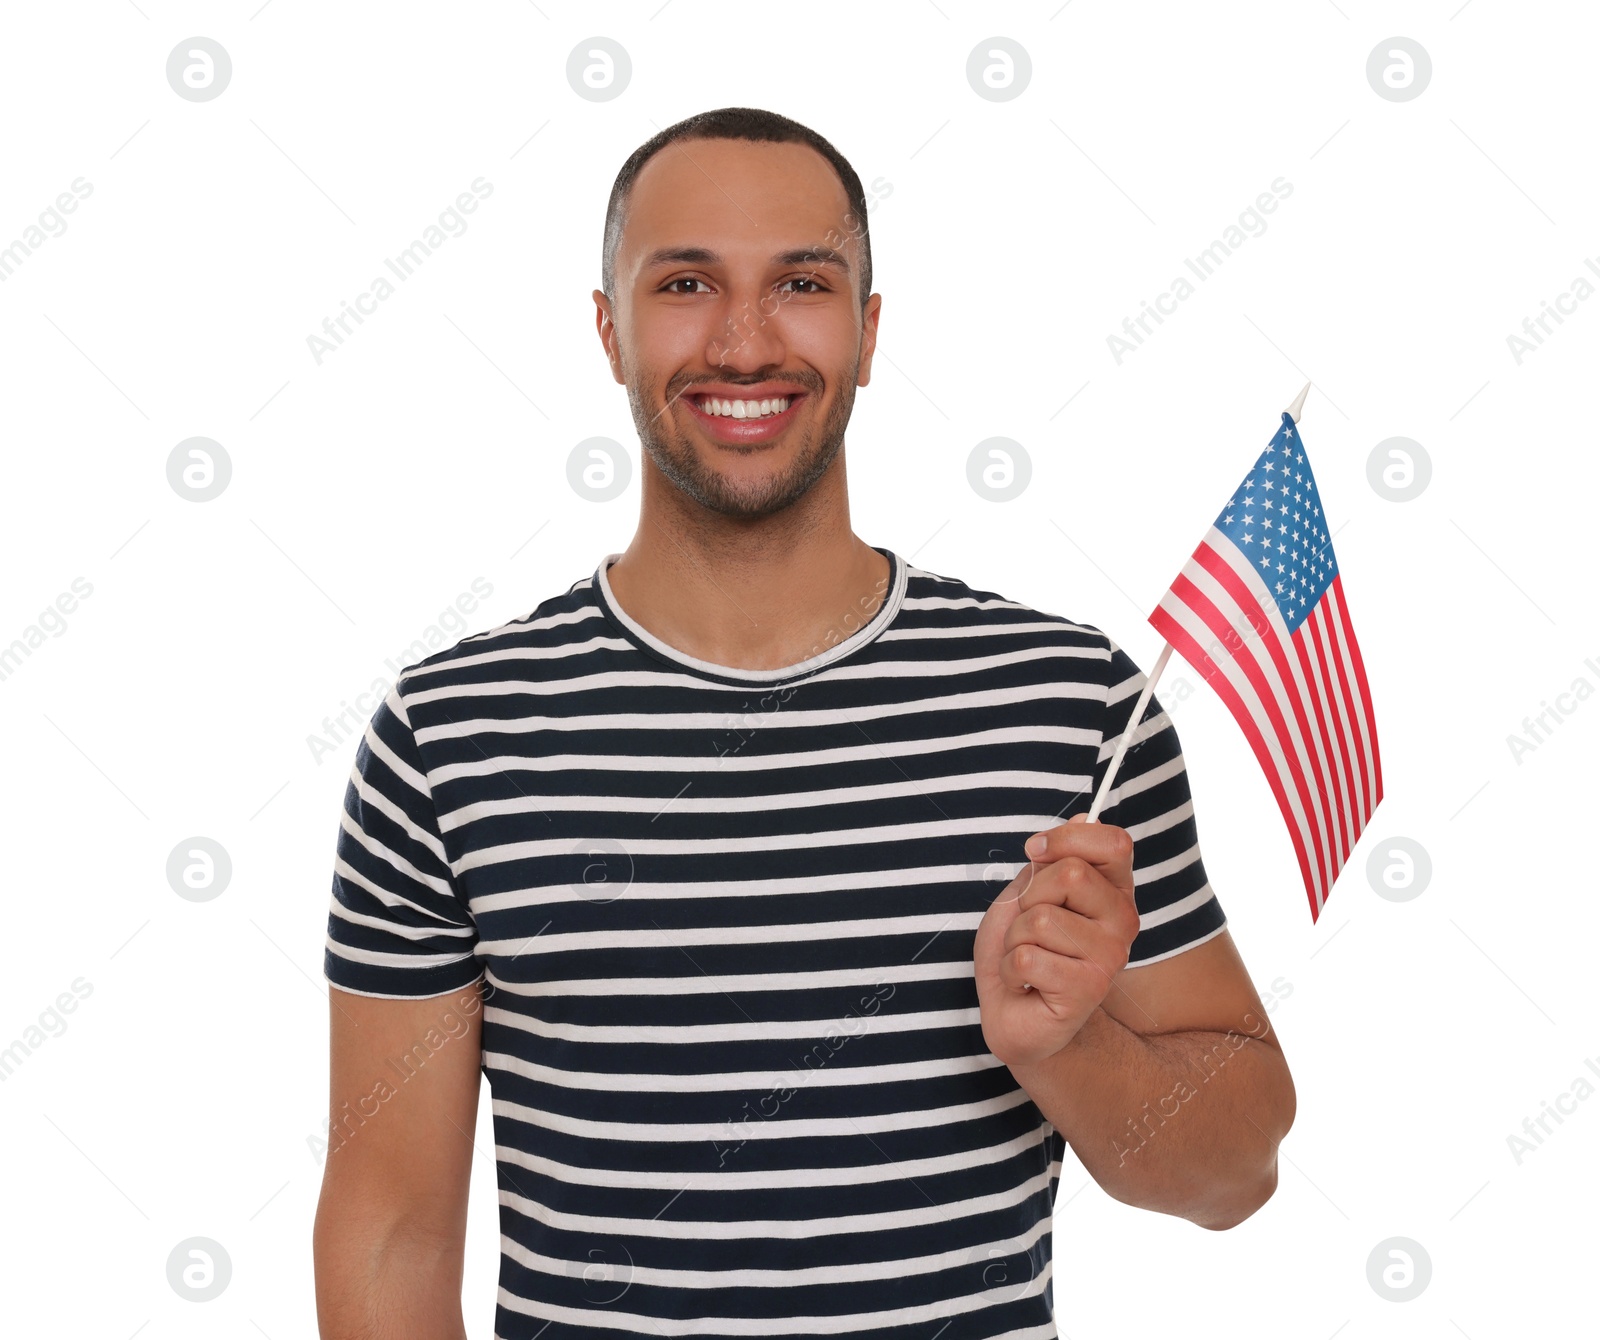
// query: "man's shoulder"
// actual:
[[572, 616], [937, 599]]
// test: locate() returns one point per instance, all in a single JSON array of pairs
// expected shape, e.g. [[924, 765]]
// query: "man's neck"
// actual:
[[756, 598]]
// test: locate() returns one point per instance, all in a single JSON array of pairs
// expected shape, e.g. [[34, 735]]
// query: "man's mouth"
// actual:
[[725, 408], [738, 420]]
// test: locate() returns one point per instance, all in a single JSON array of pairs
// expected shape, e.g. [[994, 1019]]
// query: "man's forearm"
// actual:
[[1184, 1123]]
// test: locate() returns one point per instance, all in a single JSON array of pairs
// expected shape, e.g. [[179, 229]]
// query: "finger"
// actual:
[[1060, 931], [1038, 970], [1076, 884], [1099, 844]]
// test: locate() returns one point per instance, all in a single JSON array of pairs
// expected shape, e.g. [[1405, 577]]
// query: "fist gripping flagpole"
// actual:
[[1109, 781]]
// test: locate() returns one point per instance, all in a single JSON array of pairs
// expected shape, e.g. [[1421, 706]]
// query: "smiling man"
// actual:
[[715, 864]]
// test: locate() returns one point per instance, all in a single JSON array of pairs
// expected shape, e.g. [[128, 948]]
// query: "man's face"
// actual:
[[736, 281]]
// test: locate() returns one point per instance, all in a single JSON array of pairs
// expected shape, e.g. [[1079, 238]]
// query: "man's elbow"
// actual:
[[1276, 1118], [1242, 1206]]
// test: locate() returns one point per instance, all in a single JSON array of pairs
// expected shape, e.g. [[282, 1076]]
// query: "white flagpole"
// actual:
[[1293, 411], [1127, 735]]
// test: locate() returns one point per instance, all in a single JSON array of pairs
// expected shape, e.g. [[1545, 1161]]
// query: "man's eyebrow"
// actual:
[[680, 256], [813, 255]]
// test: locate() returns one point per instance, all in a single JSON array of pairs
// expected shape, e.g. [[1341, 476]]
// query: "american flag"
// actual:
[[1260, 612]]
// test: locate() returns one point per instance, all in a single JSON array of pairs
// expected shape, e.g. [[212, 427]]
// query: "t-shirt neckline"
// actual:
[[648, 641]]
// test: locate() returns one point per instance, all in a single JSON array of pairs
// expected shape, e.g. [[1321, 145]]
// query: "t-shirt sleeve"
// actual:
[[397, 924], [1150, 798]]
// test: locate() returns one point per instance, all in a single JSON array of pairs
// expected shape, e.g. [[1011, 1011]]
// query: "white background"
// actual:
[[369, 491]]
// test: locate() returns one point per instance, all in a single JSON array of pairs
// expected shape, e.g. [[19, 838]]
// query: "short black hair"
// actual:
[[732, 123]]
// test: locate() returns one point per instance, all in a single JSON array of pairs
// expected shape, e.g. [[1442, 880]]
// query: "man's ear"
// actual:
[[869, 337], [606, 325]]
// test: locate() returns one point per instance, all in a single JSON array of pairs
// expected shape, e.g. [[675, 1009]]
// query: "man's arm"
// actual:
[[1166, 1078], [390, 1230], [1175, 1093]]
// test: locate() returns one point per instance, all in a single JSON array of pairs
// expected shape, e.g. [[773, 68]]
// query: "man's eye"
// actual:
[[806, 279], [668, 287]]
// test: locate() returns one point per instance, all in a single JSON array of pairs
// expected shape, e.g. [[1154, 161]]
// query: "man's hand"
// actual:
[[1049, 945]]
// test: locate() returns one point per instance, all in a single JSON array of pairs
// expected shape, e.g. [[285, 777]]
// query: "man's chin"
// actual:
[[716, 480]]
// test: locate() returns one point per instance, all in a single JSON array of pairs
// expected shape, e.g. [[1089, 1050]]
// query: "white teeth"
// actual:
[[745, 409]]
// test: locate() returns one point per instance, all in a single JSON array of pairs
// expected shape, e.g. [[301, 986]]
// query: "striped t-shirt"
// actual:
[[725, 923]]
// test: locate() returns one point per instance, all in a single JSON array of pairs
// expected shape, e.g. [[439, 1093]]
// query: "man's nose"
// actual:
[[750, 336]]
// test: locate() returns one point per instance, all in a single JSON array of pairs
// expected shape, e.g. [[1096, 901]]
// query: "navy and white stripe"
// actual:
[[725, 920]]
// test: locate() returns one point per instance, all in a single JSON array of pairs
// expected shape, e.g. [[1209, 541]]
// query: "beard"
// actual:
[[677, 457]]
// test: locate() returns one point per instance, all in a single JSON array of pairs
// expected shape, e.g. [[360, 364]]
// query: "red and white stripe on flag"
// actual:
[[1300, 697]]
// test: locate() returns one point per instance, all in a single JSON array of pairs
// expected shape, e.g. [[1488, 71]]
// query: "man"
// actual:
[[715, 862]]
